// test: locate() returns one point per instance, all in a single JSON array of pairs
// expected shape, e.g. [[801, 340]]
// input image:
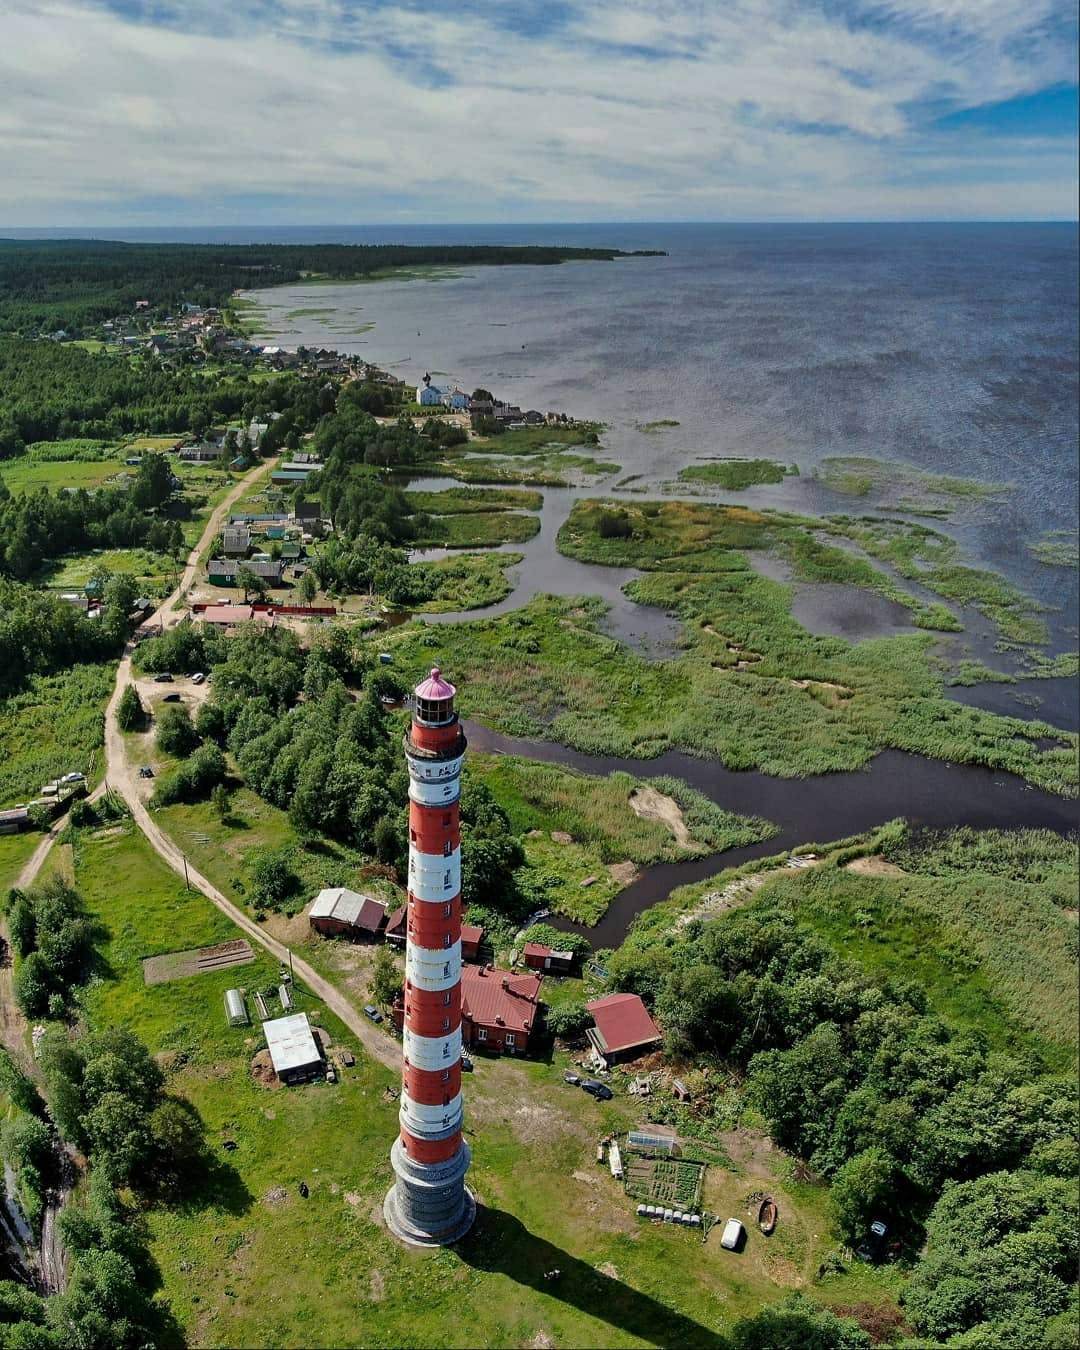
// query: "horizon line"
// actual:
[[525, 224]]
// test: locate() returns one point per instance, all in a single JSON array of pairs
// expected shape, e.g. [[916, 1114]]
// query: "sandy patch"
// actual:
[[262, 1070], [609, 1270], [276, 1195], [561, 837], [624, 872], [541, 1341], [875, 866], [589, 1178], [353, 1198], [292, 932], [378, 1287], [649, 804]]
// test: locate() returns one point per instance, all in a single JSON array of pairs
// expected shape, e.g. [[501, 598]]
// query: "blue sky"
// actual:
[[187, 112]]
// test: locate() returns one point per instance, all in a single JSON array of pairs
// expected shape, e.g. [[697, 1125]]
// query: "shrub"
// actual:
[[614, 525], [569, 1020], [273, 879], [130, 712], [194, 779], [175, 734]]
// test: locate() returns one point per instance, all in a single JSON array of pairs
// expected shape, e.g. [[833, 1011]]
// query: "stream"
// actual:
[[926, 792]]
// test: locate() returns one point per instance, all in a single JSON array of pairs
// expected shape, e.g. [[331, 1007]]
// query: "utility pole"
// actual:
[[187, 884]]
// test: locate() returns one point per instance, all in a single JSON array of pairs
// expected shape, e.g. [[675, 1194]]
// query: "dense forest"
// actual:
[[53, 390], [53, 283]]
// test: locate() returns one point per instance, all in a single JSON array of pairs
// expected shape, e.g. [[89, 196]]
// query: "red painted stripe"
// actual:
[[430, 1151], [429, 1087]]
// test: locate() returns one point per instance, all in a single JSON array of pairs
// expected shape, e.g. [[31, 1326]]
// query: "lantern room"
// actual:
[[434, 700]]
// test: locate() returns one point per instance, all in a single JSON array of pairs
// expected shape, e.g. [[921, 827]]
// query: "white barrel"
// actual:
[[433, 971], [435, 794], [420, 1119], [434, 770], [433, 876], [432, 1052]]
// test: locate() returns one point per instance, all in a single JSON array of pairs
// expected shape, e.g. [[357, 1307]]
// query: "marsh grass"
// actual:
[[453, 501], [750, 686], [898, 484], [1057, 548], [736, 474], [478, 529], [467, 581]]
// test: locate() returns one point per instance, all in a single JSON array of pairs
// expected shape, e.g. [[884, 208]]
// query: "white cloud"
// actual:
[[319, 110]]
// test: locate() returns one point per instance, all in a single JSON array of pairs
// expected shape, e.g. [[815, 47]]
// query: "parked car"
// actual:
[[198, 677], [596, 1089], [371, 1011], [331, 1074], [146, 771], [466, 1064], [73, 778], [872, 1247], [574, 1079], [163, 677], [171, 698]]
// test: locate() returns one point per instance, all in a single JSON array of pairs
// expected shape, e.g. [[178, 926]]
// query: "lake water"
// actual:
[[953, 348]]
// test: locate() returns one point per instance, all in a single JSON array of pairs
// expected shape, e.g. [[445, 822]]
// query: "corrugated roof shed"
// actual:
[[291, 1044], [227, 614], [623, 1022], [338, 902]]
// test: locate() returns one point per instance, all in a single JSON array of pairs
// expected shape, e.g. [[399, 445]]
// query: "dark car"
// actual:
[[163, 677], [573, 1079], [171, 698], [146, 771], [371, 1011], [596, 1089], [466, 1064]]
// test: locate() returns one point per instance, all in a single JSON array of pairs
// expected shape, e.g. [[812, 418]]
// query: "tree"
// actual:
[[273, 879], [219, 800], [176, 1143], [864, 1189], [33, 985], [309, 586], [19, 1087], [1000, 1260], [153, 482], [175, 734], [385, 983], [130, 712], [798, 1324], [251, 583]]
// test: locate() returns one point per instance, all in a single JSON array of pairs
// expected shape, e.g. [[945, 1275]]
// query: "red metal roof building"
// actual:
[[395, 930], [623, 1027], [498, 1008], [538, 956]]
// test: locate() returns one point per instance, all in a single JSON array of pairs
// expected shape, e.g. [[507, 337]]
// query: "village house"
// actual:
[[200, 454], [236, 539], [498, 1009], [340, 912], [457, 400], [225, 571], [624, 1030]]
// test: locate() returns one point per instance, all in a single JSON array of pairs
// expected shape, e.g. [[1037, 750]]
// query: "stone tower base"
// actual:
[[429, 1205]]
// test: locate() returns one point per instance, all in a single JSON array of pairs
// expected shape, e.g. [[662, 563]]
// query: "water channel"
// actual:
[[926, 792]]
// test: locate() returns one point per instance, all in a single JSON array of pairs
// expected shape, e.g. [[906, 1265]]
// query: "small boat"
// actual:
[[767, 1215]]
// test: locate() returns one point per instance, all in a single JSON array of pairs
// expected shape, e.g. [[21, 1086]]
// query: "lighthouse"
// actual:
[[429, 1204]]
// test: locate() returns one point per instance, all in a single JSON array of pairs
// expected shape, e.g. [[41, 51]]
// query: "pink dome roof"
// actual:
[[435, 687]]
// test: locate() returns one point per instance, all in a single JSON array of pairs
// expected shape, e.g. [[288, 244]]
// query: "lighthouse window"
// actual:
[[447, 848], [446, 940], [446, 1024], [446, 1075], [412, 835], [446, 998], [446, 880], [446, 819], [447, 910]]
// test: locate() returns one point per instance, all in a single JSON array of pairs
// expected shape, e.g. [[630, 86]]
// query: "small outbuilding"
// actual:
[[537, 956], [294, 1052], [396, 926], [236, 1008], [624, 1030], [471, 937], [340, 912]]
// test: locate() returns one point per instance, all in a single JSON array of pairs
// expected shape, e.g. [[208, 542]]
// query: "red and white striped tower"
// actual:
[[429, 1204]]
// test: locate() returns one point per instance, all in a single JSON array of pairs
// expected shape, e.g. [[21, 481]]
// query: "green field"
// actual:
[[75, 569], [54, 726], [221, 1254], [467, 581], [478, 529], [28, 475]]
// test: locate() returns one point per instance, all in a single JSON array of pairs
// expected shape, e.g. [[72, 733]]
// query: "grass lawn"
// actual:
[[453, 501], [15, 851], [544, 1203], [54, 726]]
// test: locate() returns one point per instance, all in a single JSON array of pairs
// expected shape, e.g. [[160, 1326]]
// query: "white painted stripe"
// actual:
[[439, 882], [432, 1052], [435, 794], [433, 971], [434, 770], [415, 1115]]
